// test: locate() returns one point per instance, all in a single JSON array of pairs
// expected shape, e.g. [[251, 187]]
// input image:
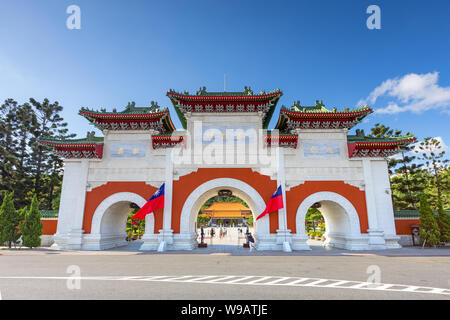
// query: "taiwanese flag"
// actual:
[[154, 203], [275, 203]]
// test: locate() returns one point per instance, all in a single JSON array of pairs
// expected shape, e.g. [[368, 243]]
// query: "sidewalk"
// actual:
[[223, 248]]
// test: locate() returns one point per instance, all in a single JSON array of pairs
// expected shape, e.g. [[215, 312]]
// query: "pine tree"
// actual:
[[434, 155], [407, 182], [24, 126], [8, 161], [46, 167], [429, 230], [32, 227], [9, 221], [443, 221]]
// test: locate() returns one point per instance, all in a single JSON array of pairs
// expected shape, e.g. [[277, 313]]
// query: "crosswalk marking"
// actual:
[[201, 278], [276, 281], [258, 281], [295, 282], [239, 279], [310, 284], [338, 283], [154, 278], [359, 285], [223, 278], [177, 278]]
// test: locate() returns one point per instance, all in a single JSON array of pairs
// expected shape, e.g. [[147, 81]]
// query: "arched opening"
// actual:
[[224, 220], [187, 239], [341, 227], [109, 223]]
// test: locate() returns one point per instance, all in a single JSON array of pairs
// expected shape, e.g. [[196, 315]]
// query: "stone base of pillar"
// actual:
[[150, 242], [376, 239], [266, 242], [184, 241], [392, 241], [299, 242], [283, 236], [60, 241], [75, 239], [166, 236]]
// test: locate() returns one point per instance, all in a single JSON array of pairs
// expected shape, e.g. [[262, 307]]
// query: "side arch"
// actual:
[[341, 219], [109, 219]]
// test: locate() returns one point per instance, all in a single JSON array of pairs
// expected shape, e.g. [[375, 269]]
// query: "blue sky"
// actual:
[[137, 50]]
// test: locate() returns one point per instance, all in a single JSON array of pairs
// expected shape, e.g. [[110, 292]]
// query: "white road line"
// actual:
[[293, 283], [360, 285], [410, 288], [154, 278], [311, 284], [223, 278], [201, 278], [276, 281], [132, 278], [240, 279], [258, 280], [338, 283], [382, 286], [176, 278], [437, 290]]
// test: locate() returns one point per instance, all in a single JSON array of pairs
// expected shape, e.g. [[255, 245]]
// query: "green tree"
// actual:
[[312, 218], [25, 121], [406, 181], [32, 227], [133, 229], [44, 164], [8, 160], [9, 221], [443, 221], [433, 154], [429, 230]]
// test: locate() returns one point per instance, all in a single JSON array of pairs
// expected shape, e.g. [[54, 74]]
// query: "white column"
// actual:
[[166, 233], [283, 233], [69, 232], [376, 234]]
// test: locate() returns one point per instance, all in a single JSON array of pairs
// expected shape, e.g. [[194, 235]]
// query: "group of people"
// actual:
[[212, 232], [223, 233]]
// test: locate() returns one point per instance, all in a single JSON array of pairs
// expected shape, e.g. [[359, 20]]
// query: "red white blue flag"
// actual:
[[275, 203], [154, 203]]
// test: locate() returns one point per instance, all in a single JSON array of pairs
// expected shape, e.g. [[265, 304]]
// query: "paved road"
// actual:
[[123, 274]]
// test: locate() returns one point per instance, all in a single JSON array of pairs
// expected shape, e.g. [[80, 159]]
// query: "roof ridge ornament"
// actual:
[[154, 107], [360, 133], [130, 106], [248, 91], [90, 135], [202, 91]]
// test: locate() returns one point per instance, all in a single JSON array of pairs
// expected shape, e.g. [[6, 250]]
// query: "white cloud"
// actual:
[[412, 92]]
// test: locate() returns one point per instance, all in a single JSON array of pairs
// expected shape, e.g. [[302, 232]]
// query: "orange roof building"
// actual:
[[227, 211]]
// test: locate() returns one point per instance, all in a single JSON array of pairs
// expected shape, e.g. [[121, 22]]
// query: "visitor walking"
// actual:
[[251, 241]]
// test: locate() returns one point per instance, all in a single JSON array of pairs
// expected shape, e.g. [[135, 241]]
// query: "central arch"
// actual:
[[341, 218], [210, 188]]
